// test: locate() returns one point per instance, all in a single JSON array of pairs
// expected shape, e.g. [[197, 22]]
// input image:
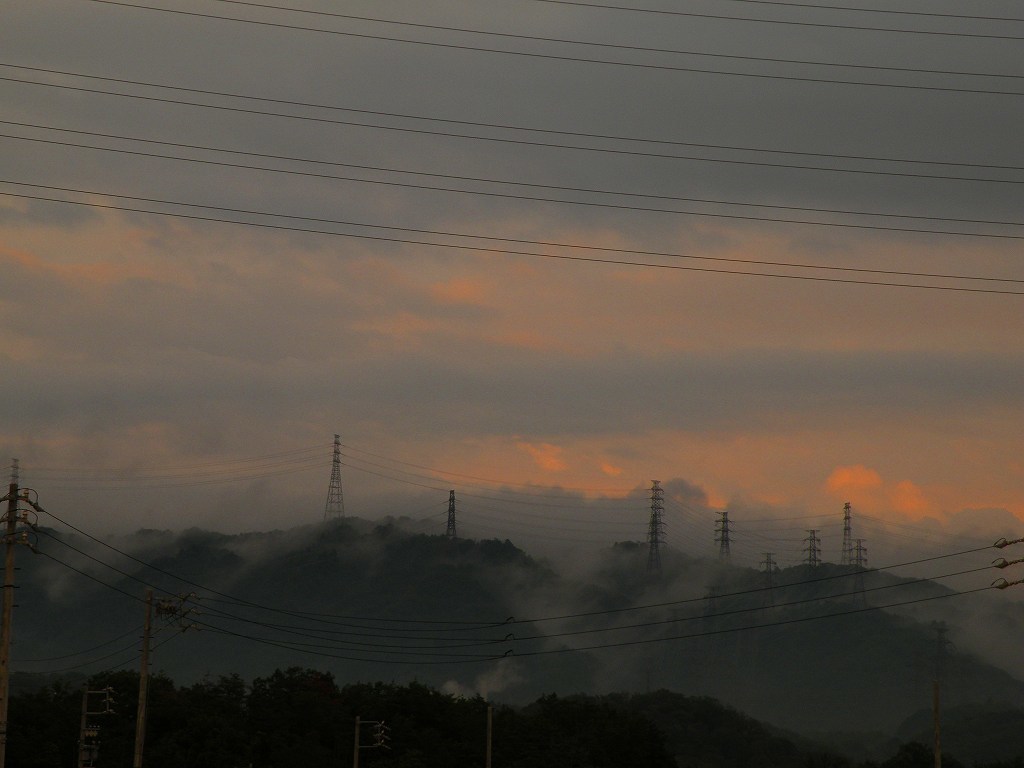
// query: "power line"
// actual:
[[552, 145], [561, 257], [123, 635], [456, 625], [454, 121], [504, 483], [585, 60], [190, 469], [530, 198], [463, 642], [565, 41], [453, 658], [551, 501], [420, 643], [755, 609], [514, 183], [226, 472], [822, 25], [764, 625], [288, 468], [751, 591], [511, 621], [89, 576], [890, 11]]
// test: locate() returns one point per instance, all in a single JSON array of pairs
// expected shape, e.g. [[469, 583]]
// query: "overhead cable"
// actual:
[[456, 121], [531, 185], [607, 62], [796, 5], [553, 256]]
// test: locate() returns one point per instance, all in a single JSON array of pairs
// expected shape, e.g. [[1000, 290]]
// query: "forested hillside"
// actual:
[[303, 717], [372, 602]]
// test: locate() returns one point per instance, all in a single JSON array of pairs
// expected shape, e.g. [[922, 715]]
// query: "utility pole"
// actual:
[[85, 751], [88, 735], [140, 718], [335, 506], [450, 533], [355, 748], [11, 520], [12, 536], [655, 528], [490, 733], [381, 735], [722, 536], [941, 644]]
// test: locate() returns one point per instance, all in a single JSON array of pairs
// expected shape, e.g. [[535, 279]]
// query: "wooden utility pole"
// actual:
[[11, 520], [82, 727], [355, 748], [940, 667], [490, 732], [140, 718]]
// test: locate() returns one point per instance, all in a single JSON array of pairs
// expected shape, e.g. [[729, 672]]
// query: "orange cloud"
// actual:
[[610, 469], [546, 456], [853, 478], [908, 499], [459, 291]]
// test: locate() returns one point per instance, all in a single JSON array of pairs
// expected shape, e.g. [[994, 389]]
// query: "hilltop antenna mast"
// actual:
[[655, 528], [813, 548], [846, 556], [722, 535], [335, 506], [450, 533]]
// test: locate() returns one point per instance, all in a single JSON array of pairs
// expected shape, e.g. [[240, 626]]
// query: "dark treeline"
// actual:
[[301, 717]]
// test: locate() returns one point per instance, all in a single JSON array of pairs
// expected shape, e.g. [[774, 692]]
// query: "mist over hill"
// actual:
[[370, 601]]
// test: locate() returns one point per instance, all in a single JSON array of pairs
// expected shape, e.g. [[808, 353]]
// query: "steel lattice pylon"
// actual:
[[846, 556], [722, 535], [813, 548], [450, 533], [335, 506], [655, 528]]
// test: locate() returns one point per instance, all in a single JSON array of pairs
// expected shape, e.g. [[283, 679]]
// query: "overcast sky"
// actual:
[[173, 370]]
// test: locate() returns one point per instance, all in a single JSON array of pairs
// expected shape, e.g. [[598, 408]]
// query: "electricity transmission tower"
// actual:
[[860, 555], [846, 556], [813, 548], [722, 535], [335, 506], [860, 563], [655, 528], [450, 533], [769, 577]]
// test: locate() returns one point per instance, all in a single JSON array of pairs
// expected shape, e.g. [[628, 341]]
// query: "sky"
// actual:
[[542, 253]]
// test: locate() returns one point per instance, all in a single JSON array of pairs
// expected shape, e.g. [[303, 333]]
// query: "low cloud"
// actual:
[[546, 456], [853, 478], [505, 674]]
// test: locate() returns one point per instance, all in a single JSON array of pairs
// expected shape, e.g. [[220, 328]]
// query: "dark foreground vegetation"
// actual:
[[301, 717]]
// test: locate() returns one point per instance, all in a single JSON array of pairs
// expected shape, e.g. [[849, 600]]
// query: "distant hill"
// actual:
[[371, 601]]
